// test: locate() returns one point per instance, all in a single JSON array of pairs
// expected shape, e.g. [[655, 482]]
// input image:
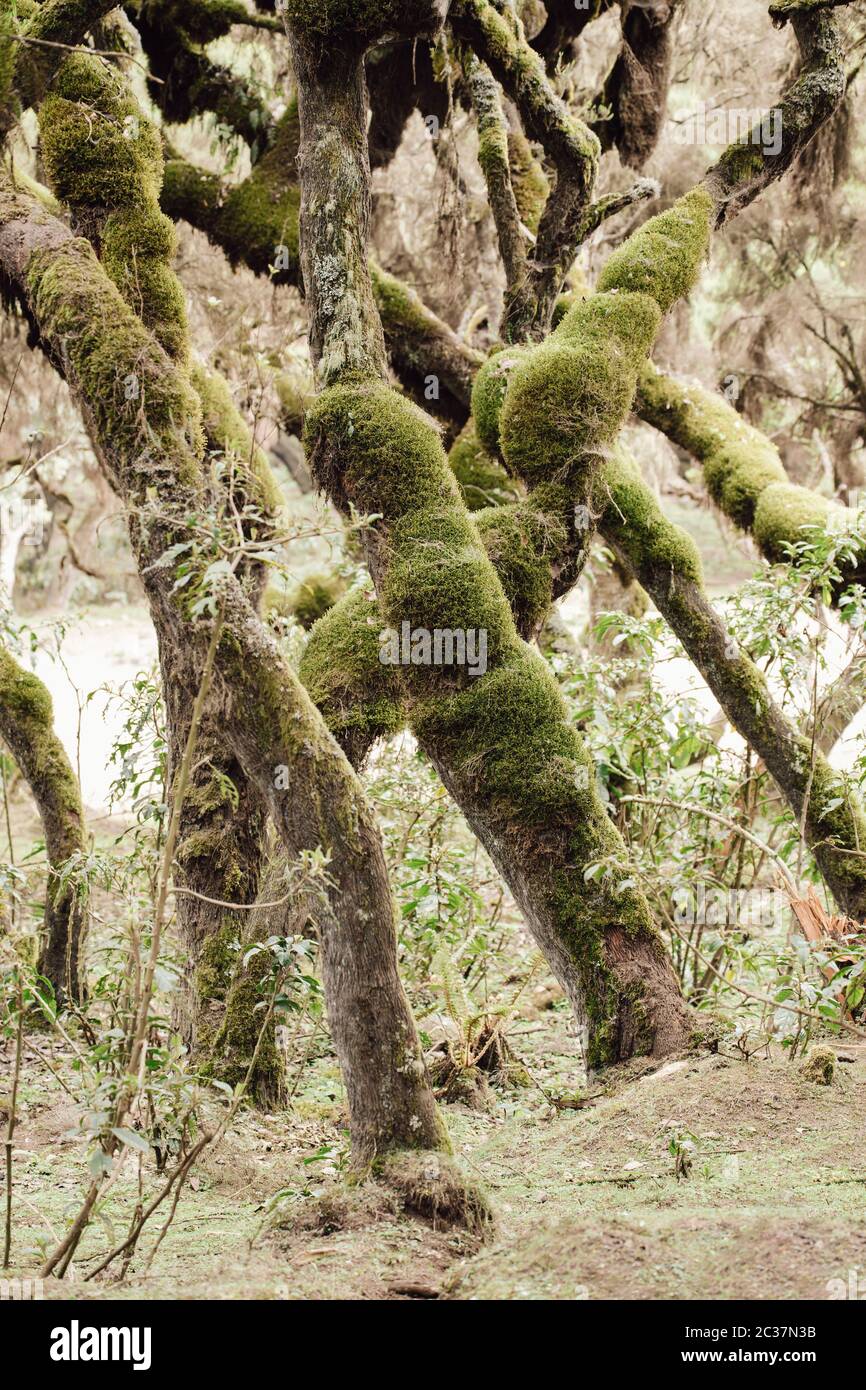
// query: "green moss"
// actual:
[[365, 18], [227, 433], [739, 461], [483, 482], [634, 521], [243, 1033], [783, 513], [664, 257], [8, 56], [137, 249], [101, 352], [358, 696], [530, 184], [314, 596], [377, 450], [838, 813], [566, 400], [742, 162], [203, 20], [488, 395], [439, 577], [97, 148], [518, 541], [398, 304], [102, 157], [217, 962], [742, 467], [820, 1066]]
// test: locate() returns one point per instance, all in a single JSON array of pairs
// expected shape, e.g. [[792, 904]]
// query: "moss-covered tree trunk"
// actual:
[[153, 454], [501, 741], [27, 727], [106, 180]]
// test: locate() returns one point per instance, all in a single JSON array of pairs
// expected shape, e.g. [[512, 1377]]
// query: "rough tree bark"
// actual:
[[27, 727], [502, 743], [268, 719]]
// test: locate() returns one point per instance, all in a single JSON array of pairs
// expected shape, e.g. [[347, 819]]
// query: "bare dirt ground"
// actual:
[[587, 1202]]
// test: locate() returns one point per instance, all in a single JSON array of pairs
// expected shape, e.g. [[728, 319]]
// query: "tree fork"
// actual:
[[374, 450]]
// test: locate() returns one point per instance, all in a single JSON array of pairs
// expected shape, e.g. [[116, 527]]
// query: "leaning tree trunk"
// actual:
[[502, 741], [153, 448], [27, 726]]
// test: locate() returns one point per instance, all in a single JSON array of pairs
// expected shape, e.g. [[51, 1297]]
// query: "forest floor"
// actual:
[[587, 1202]]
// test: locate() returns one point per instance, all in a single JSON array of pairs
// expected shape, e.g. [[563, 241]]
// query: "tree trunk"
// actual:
[[502, 742], [27, 726]]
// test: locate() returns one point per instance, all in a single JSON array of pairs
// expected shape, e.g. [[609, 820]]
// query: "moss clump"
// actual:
[[244, 1035], [783, 514], [101, 352], [519, 542], [664, 257], [313, 597], [439, 577], [483, 482], [254, 222], [488, 395], [217, 962], [377, 450], [431, 1185], [742, 467], [398, 304], [138, 246], [358, 696], [739, 462], [365, 18], [105, 160], [820, 1066], [98, 149], [567, 399], [632, 519]]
